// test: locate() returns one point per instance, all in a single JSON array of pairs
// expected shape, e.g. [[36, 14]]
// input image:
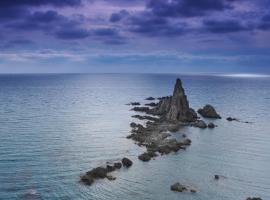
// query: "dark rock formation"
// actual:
[[103, 172], [211, 125], [231, 119], [143, 117], [133, 104], [127, 162], [96, 173], [209, 111], [200, 124], [117, 165], [150, 98], [151, 104], [254, 198], [216, 177], [178, 187], [144, 157], [176, 107], [141, 109]]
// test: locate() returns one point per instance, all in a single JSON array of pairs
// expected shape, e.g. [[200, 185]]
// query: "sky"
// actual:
[[135, 36]]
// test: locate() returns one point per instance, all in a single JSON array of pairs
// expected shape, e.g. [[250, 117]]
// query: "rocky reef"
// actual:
[[104, 172], [168, 116]]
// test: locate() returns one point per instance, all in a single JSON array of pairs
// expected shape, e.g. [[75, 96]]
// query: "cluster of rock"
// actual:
[[254, 198], [168, 115], [134, 104], [104, 172], [177, 187]]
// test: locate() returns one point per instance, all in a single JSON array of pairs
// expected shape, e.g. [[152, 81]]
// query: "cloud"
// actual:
[[71, 34], [225, 26], [264, 23], [39, 21], [58, 3], [116, 17], [186, 8], [150, 25]]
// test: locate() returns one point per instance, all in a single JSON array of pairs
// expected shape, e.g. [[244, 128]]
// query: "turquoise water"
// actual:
[[53, 128]]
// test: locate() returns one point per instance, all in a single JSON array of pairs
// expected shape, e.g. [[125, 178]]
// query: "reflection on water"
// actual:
[[55, 127]]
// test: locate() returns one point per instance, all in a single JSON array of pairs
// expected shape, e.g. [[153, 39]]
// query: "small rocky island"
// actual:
[[165, 117]]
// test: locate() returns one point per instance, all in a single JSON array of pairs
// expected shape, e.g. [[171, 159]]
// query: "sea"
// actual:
[[55, 127]]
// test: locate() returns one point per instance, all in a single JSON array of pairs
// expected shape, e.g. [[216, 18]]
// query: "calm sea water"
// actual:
[[53, 128]]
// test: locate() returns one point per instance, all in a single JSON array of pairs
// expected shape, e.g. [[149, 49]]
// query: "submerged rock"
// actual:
[[209, 111], [127, 162]]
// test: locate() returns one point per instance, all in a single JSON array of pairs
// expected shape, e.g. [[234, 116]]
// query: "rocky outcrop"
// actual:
[[104, 172], [147, 117], [211, 125], [175, 107], [150, 98], [177, 187], [127, 162], [134, 104], [141, 109], [209, 111], [151, 104], [200, 124]]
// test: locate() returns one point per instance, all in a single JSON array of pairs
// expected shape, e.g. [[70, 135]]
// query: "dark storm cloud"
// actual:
[[17, 43], [150, 25], [116, 17], [11, 13], [71, 34], [186, 8], [46, 21], [226, 26], [59, 3], [265, 23]]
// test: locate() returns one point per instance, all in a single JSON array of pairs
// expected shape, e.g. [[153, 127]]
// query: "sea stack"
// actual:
[[176, 107]]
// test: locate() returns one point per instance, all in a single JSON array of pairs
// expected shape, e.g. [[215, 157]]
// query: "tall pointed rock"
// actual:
[[179, 103], [176, 107]]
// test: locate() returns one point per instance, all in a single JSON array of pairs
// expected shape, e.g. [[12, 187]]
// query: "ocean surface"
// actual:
[[53, 128]]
